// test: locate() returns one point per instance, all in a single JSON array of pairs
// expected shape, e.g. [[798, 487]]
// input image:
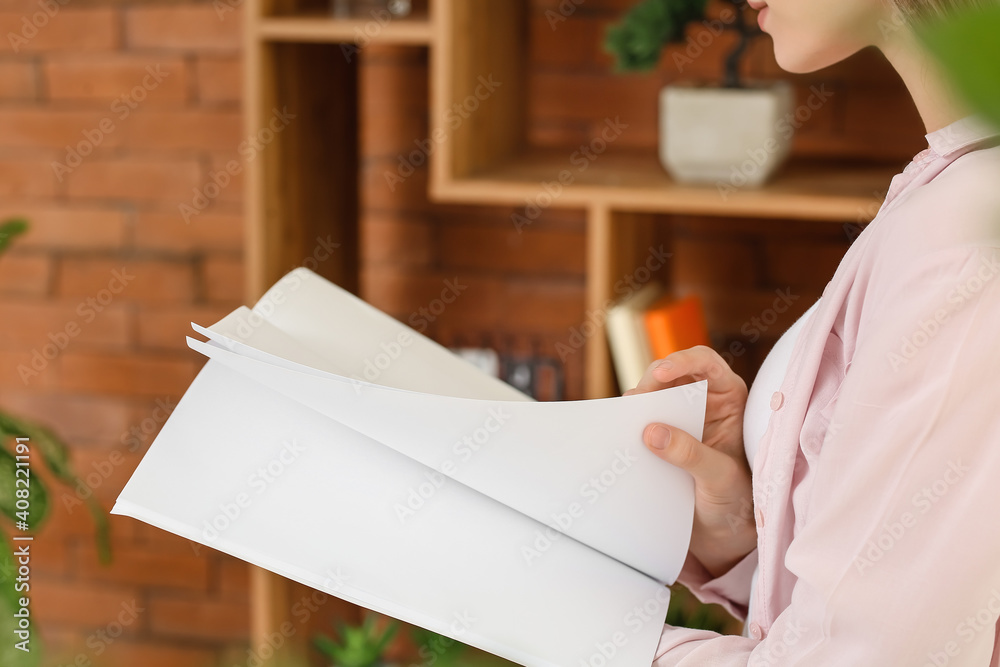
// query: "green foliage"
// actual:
[[443, 651], [637, 41], [968, 47], [10, 229], [358, 646], [54, 455]]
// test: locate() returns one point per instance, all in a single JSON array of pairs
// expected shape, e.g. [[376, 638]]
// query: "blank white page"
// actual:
[[253, 473]]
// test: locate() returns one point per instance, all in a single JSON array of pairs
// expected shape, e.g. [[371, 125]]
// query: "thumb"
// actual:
[[683, 450]]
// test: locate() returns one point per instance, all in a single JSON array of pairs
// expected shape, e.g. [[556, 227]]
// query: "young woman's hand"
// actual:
[[724, 529]]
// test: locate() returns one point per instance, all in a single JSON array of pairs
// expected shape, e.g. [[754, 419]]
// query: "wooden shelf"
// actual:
[[306, 185], [635, 181], [415, 29]]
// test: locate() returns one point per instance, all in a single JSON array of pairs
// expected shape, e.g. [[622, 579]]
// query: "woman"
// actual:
[[870, 533]]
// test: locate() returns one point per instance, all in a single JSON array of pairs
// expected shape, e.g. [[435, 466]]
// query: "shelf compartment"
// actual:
[[804, 189]]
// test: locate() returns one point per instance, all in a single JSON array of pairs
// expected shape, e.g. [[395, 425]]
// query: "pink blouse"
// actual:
[[877, 479]]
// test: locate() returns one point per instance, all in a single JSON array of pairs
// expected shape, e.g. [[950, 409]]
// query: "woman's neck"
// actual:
[[936, 100]]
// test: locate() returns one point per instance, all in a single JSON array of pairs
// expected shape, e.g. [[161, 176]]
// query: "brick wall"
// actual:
[[115, 215], [110, 116]]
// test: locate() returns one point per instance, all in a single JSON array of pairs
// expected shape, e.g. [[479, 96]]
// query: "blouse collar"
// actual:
[[961, 134]]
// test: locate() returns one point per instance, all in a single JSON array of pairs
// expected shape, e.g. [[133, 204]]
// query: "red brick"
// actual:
[[221, 168], [145, 280], [170, 180], [17, 372], [714, 262], [233, 576], [400, 240], [204, 129], [206, 231], [83, 604], [125, 653], [33, 324], [127, 375], [803, 263], [118, 82], [104, 471], [487, 303], [68, 30], [224, 279], [18, 81], [145, 567], [198, 618], [25, 177], [25, 274], [81, 419], [220, 79], [51, 128], [196, 28], [77, 228], [501, 248], [167, 327]]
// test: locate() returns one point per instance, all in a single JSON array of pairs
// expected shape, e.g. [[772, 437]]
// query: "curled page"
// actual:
[[329, 443], [252, 473], [579, 467]]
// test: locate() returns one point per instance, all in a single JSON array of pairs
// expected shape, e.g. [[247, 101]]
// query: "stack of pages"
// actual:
[[329, 443]]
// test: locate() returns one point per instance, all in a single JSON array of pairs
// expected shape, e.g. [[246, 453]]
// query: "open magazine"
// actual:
[[330, 443]]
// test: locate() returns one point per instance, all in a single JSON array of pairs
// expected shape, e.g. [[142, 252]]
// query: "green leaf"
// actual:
[[10, 229], [55, 456], [35, 494], [968, 47], [637, 41]]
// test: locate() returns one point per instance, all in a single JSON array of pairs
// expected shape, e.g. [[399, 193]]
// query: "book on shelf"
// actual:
[[650, 324], [331, 444]]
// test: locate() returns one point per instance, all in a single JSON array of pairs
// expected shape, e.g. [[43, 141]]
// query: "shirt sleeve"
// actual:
[[730, 590], [897, 551]]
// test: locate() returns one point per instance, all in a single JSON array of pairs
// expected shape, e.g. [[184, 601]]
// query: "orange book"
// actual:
[[675, 324]]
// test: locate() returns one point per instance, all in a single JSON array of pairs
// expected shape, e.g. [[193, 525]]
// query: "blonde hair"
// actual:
[[932, 9]]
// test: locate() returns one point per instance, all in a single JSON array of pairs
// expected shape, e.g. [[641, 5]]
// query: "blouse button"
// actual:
[[760, 518], [777, 400], [756, 632]]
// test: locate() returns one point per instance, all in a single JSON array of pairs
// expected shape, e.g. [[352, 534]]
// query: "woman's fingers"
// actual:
[[690, 365], [677, 447]]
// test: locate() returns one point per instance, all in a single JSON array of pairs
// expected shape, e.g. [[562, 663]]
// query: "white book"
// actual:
[[631, 351], [329, 443]]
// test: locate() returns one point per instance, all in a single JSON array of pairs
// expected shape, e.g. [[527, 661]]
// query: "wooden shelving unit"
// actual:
[[307, 183]]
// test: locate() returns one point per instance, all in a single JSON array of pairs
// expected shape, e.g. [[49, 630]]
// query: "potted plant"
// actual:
[[731, 133], [25, 449], [358, 646]]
